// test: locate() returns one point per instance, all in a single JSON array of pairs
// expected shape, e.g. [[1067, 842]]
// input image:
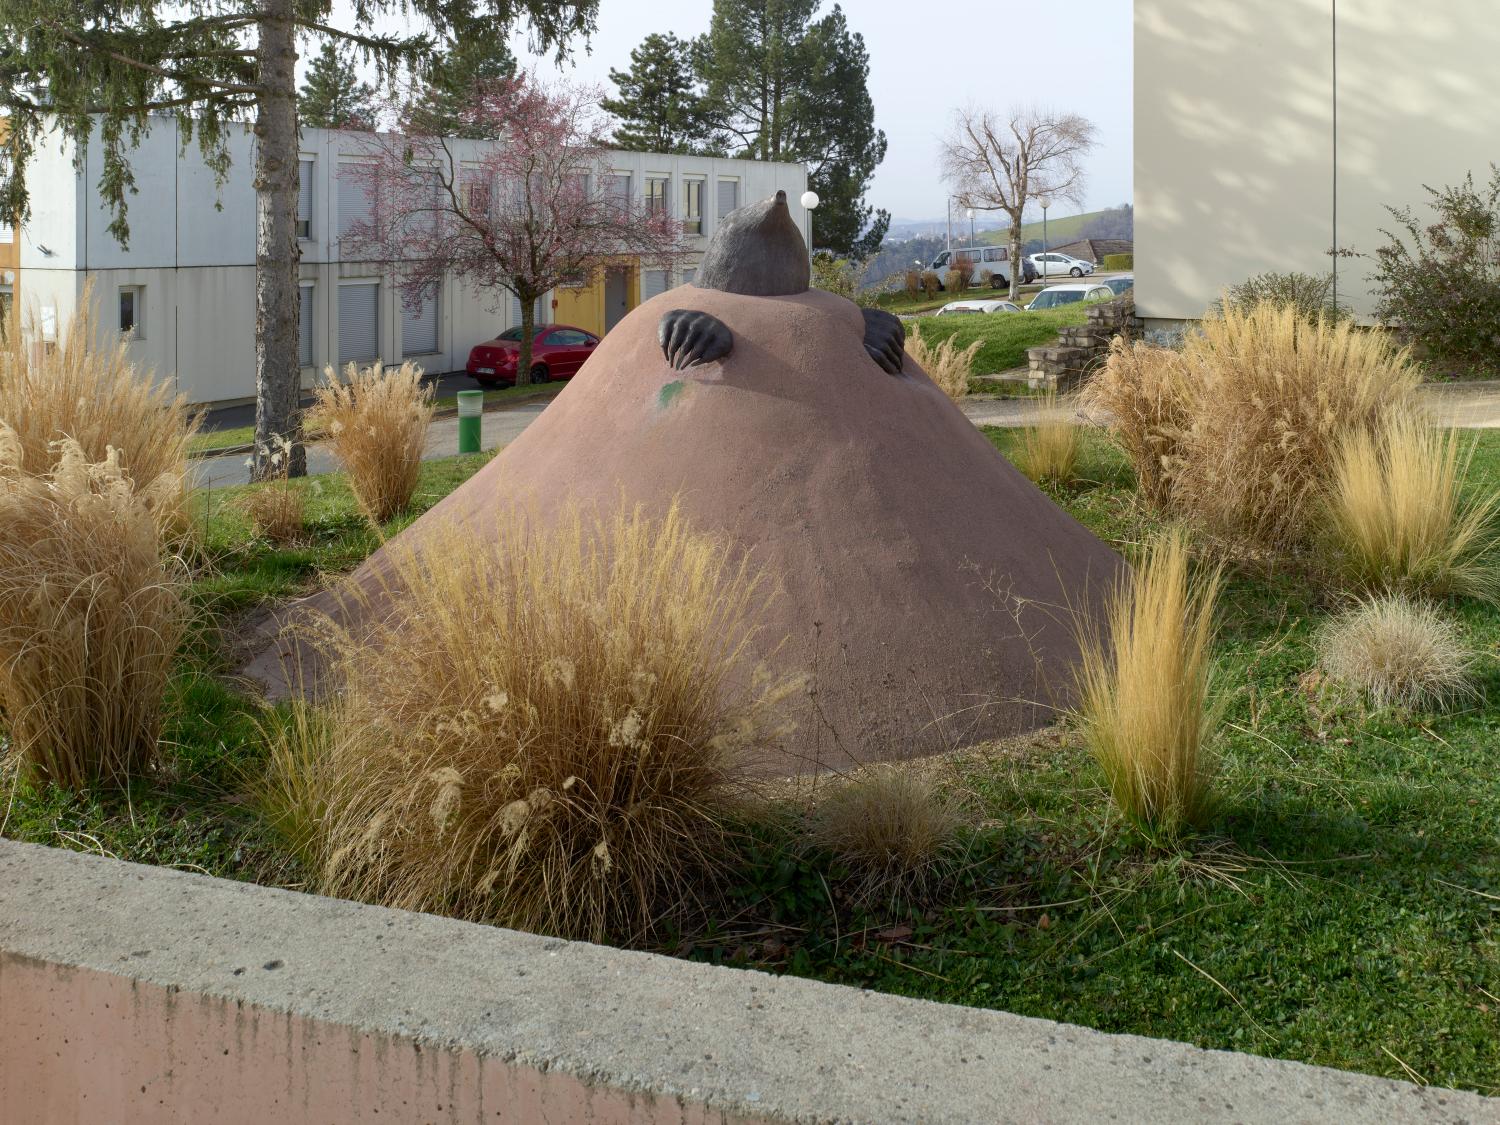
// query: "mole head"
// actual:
[[758, 251]]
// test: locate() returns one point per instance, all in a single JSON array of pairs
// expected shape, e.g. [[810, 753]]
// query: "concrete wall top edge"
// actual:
[[735, 1041]]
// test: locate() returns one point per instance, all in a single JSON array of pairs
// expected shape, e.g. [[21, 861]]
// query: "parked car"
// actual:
[[996, 259], [956, 308], [1054, 264], [1120, 284], [1056, 296], [557, 352]]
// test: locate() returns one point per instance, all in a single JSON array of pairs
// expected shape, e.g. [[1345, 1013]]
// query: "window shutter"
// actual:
[[359, 322], [617, 189], [688, 275], [419, 326], [305, 326], [729, 196], [653, 283], [304, 198], [354, 197], [538, 319]]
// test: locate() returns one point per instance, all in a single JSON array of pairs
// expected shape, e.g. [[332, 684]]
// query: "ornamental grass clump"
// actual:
[[944, 363], [892, 826], [1142, 391], [1396, 651], [95, 397], [92, 610], [377, 423], [1049, 444], [1145, 702], [275, 507], [541, 731], [1270, 398], [1400, 519]]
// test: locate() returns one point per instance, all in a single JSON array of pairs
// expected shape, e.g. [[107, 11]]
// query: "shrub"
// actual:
[[91, 614], [913, 283], [1270, 396], [891, 826], [1397, 652], [944, 363], [99, 400], [956, 281], [1049, 444], [377, 421], [275, 507], [838, 275], [1119, 262], [1440, 284], [1145, 704], [1399, 518], [931, 283], [539, 731], [1311, 297], [987, 278], [1143, 391]]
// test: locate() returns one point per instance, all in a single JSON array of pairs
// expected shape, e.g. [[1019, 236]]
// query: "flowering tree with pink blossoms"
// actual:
[[518, 215]]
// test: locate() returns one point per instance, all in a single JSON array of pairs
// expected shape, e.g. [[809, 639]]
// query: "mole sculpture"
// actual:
[[759, 252]]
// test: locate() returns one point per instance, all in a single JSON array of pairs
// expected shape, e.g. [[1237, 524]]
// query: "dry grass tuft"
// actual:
[[1143, 391], [377, 421], [945, 365], [1398, 516], [1146, 707], [276, 507], [543, 730], [1398, 652], [1050, 444], [892, 826], [91, 614], [1270, 398], [96, 397]]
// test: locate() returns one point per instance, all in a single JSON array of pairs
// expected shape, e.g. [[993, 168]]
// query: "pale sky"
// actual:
[[925, 62]]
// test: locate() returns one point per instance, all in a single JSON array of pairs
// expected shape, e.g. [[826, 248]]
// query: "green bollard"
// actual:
[[470, 418]]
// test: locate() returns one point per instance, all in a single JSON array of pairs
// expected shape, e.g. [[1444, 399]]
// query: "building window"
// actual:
[[688, 275], [7, 232], [658, 199], [355, 205], [653, 283], [617, 190], [692, 211], [133, 311], [304, 199], [538, 314], [359, 321], [419, 325], [305, 326], [474, 184], [729, 197]]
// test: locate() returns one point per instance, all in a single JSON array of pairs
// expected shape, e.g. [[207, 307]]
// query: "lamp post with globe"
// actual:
[[1045, 201], [810, 201]]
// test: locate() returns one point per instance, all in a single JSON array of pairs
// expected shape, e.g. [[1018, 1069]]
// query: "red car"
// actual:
[[557, 353]]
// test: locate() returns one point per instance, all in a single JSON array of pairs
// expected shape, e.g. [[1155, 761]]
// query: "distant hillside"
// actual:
[[1060, 229]]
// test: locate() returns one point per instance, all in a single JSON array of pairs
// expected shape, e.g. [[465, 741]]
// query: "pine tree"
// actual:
[[660, 105], [443, 108], [786, 87], [333, 97]]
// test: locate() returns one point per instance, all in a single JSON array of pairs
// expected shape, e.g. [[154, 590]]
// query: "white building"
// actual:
[[185, 287], [1269, 133]]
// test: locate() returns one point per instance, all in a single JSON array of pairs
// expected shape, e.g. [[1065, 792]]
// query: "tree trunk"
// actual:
[[528, 333], [1017, 267], [278, 414]]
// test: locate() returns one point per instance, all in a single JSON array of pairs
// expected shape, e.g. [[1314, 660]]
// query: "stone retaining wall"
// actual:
[[1080, 348]]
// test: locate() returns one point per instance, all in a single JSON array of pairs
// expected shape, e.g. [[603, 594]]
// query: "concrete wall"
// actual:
[[134, 994], [1242, 165], [192, 251]]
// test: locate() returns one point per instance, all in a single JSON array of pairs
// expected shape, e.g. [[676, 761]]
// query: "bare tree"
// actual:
[[1004, 162]]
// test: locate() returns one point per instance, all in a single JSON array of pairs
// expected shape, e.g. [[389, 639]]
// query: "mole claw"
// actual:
[[689, 338], [885, 340]]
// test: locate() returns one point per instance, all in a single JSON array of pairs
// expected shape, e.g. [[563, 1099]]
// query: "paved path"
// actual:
[[1470, 405]]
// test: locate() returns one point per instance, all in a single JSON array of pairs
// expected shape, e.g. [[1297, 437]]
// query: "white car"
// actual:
[[956, 308], [1056, 296], [1054, 265]]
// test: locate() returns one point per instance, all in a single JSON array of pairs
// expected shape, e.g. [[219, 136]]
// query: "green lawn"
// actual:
[[1006, 336], [1343, 908]]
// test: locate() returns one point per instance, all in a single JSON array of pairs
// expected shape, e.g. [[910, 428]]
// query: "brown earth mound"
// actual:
[[926, 583]]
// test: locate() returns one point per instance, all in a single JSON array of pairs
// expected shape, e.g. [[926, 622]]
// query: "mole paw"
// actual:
[[689, 338], [885, 339]]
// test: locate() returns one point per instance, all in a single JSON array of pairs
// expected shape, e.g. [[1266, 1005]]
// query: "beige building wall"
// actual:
[[1268, 133]]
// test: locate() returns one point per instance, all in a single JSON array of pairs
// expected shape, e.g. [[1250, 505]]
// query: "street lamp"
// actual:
[[810, 202], [1045, 201], [971, 226]]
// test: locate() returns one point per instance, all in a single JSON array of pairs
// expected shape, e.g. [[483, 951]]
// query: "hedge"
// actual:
[[1119, 261]]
